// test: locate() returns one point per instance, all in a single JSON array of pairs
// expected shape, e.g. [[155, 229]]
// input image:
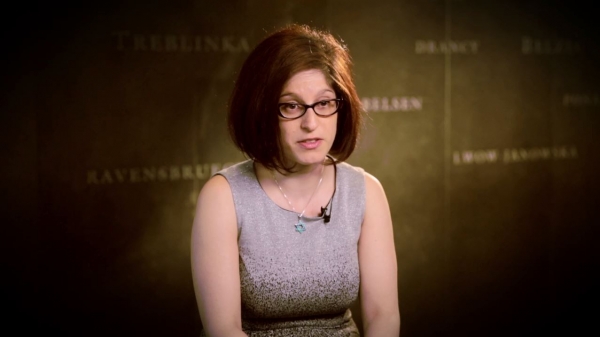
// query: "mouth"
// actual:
[[310, 143], [310, 140]]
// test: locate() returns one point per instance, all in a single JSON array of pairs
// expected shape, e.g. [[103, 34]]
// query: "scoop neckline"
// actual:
[[265, 195]]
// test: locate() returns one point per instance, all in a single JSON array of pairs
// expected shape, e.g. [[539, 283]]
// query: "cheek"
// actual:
[[284, 133], [334, 124]]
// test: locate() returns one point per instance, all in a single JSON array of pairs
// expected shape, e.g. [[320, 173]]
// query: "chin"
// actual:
[[310, 159]]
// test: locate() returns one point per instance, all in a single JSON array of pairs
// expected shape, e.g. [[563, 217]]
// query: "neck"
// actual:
[[298, 185], [304, 171], [301, 213], [302, 177]]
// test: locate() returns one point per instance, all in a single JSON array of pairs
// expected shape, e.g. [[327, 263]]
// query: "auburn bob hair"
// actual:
[[253, 120]]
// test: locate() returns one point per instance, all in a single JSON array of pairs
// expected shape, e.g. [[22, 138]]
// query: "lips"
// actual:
[[311, 143]]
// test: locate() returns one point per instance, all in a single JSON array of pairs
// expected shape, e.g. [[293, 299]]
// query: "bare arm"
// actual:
[[215, 261], [378, 268]]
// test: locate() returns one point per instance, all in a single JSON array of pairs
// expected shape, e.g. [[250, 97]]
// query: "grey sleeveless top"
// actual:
[[297, 284]]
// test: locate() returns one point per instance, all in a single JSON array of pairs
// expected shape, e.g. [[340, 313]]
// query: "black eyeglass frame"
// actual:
[[312, 106]]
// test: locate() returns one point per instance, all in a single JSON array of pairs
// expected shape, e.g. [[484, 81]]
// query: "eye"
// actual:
[[290, 106], [327, 103]]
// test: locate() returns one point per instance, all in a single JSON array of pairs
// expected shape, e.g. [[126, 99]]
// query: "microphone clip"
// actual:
[[326, 217]]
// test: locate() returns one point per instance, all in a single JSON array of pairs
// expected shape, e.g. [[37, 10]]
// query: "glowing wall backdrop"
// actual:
[[483, 128]]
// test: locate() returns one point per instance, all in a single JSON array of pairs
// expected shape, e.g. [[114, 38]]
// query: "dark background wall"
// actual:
[[483, 128]]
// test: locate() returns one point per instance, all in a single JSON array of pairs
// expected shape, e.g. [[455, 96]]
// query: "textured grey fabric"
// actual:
[[297, 284]]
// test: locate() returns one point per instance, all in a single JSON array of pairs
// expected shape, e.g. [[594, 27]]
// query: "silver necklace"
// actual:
[[300, 226]]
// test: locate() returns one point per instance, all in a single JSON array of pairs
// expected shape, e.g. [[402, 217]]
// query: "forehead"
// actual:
[[306, 81]]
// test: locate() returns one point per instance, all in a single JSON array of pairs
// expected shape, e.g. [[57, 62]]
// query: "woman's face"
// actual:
[[308, 139]]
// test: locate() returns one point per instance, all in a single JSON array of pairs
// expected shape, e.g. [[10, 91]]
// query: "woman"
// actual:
[[283, 242]]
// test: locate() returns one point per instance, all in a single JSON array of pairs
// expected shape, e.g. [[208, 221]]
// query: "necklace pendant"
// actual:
[[300, 226]]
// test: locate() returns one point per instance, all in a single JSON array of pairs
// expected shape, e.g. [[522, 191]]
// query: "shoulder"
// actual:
[[346, 167], [218, 190], [350, 180], [236, 169], [370, 181], [375, 195], [217, 185], [215, 207], [215, 195], [350, 174]]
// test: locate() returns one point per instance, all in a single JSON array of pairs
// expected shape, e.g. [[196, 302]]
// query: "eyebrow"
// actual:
[[295, 95]]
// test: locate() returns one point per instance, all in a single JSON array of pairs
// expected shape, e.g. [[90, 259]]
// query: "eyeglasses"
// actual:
[[321, 108]]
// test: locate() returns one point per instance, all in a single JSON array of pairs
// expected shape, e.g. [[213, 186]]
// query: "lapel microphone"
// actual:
[[326, 217]]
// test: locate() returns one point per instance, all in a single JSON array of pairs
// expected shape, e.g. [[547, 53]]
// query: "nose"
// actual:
[[309, 120]]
